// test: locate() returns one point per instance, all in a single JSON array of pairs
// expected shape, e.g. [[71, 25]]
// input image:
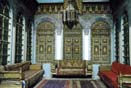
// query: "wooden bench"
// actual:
[[73, 67]]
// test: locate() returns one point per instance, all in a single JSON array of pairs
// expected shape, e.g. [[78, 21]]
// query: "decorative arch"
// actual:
[[58, 31], [45, 42], [58, 23], [100, 25], [86, 22]]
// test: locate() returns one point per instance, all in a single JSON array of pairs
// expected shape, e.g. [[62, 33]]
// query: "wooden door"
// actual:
[[45, 43], [100, 49], [72, 48], [100, 43], [73, 43]]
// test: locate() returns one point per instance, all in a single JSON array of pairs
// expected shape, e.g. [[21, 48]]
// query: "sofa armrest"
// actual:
[[35, 67], [122, 79], [105, 68], [126, 78], [125, 75], [11, 75]]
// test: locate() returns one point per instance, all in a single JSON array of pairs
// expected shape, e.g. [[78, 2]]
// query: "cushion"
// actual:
[[14, 67], [115, 67], [25, 66], [127, 69], [109, 75]]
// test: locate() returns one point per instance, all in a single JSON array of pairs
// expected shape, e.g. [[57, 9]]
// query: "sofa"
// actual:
[[73, 67], [115, 75], [25, 73]]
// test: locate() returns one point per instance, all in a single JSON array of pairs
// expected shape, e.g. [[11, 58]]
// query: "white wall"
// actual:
[[121, 53], [9, 59], [24, 41], [59, 45], [86, 38]]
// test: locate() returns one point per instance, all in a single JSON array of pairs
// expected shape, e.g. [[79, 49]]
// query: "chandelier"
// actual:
[[70, 15]]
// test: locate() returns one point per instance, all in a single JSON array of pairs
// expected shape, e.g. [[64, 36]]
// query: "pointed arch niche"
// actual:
[[51, 30], [87, 23]]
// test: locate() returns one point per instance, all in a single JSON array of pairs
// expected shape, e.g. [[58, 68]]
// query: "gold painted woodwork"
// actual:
[[45, 42], [45, 46], [100, 41], [74, 67], [71, 67], [79, 5], [72, 42], [82, 7], [35, 67], [76, 3], [94, 8]]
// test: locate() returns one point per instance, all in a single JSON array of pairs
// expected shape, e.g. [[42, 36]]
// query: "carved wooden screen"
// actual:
[[100, 43], [72, 43], [45, 43]]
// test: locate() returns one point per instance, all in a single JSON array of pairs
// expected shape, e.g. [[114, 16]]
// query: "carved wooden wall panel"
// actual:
[[73, 43], [100, 42], [72, 48], [45, 43]]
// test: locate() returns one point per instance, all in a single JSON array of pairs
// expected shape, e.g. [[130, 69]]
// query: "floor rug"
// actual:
[[70, 84]]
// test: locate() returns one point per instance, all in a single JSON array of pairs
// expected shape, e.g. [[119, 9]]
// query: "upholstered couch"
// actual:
[[116, 75], [22, 72], [72, 67]]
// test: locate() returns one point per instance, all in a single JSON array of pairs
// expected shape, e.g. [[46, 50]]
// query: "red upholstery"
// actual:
[[126, 69], [115, 67], [111, 77]]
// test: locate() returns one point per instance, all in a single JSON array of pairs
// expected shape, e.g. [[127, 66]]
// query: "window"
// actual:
[[29, 34], [126, 38], [117, 40], [18, 40], [4, 30]]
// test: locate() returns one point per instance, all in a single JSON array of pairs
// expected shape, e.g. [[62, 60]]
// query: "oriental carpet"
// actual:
[[48, 83]]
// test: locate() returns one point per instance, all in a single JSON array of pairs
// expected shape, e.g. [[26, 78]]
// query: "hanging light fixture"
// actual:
[[70, 15]]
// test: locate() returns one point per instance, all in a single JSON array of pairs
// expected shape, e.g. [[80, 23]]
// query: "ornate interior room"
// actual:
[[65, 43]]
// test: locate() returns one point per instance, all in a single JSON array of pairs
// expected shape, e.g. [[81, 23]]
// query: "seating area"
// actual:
[[115, 75], [73, 67], [24, 72]]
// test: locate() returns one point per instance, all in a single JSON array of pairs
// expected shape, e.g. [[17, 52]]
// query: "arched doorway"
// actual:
[[45, 42], [100, 42]]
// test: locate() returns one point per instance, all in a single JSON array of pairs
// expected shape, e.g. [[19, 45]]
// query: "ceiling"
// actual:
[[50, 1], [61, 1]]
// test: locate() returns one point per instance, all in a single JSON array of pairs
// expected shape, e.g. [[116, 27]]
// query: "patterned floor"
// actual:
[[70, 83]]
